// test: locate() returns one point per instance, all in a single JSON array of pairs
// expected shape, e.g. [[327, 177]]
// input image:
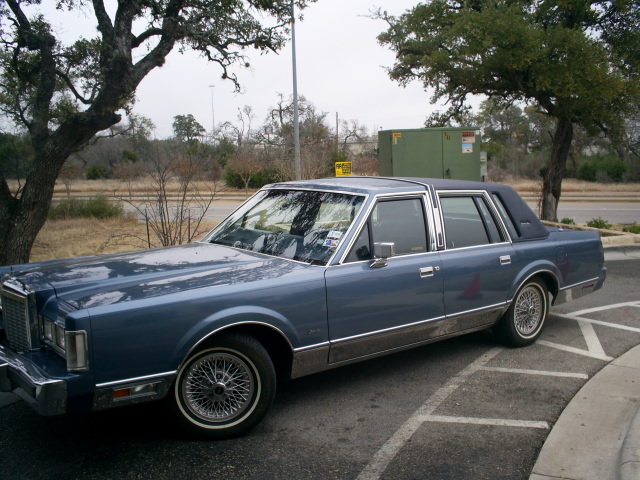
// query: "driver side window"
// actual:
[[401, 222]]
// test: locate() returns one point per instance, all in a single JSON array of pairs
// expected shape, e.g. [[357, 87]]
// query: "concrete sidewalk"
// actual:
[[597, 437]]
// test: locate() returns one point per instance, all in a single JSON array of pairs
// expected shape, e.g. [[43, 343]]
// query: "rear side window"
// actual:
[[468, 222]]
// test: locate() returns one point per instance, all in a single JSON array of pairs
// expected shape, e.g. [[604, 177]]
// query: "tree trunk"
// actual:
[[553, 172], [23, 217]]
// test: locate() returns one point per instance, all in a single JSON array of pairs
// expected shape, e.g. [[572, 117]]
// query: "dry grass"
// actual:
[[118, 188], [79, 237]]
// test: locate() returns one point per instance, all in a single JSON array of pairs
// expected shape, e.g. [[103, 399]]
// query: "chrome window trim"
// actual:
[[490, 205], [391, 259], [499, 215], [330, 260], [363, 222], [459, 249]]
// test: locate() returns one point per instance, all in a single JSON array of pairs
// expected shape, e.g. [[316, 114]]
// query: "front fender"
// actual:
[[224, 319]]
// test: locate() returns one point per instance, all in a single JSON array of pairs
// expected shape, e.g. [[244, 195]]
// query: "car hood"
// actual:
[[107, 279]]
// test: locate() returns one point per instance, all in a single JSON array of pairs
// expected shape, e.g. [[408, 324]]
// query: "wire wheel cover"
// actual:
[[218, 387], [529, 311]]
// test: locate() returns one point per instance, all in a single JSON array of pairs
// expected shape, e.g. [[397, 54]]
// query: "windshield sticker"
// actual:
[[331, 242], [334, 235]]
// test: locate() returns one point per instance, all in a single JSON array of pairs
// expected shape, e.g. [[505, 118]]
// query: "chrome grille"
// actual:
[[15, 317]]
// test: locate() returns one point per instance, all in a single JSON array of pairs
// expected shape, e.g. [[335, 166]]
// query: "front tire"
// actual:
[[522, 323], [224, 390]]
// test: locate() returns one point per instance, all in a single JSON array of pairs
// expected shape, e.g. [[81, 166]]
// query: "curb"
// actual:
[[630, 452], [597, 435]]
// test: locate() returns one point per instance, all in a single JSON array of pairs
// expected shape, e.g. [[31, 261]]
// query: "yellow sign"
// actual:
[[343, 169]]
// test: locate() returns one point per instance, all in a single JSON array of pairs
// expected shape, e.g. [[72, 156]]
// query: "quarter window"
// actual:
[[505, 217]]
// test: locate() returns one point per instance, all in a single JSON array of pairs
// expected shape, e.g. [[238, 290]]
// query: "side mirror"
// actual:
[[381, 252]]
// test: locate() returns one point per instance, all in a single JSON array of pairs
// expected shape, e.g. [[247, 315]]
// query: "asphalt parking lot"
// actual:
[[464, 408]]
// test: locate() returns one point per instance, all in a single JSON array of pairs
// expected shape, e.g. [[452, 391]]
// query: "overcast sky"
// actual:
[[340, 69]]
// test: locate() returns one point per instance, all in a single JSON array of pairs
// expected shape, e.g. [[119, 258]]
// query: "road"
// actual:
[[613, 212], [464, 408]]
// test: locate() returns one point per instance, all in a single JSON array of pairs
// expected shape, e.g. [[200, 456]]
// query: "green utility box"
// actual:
[[431, 153]]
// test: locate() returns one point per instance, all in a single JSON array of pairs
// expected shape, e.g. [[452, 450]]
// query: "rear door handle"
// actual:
[[505, 260]]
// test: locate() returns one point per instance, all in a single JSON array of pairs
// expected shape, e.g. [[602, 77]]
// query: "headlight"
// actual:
[[71, 345], [48, 330], [60, 340]]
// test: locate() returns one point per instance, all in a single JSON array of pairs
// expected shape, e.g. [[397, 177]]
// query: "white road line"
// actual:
[[582, 376], [389, 450], [495, 422]]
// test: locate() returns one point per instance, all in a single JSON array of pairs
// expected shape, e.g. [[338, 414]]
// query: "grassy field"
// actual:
[[78, 237]]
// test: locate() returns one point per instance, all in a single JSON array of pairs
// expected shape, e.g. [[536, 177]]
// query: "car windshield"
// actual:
[[307, 226]]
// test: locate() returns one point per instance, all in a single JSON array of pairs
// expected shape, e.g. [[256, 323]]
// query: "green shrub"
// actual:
[[599, 223], [632, 228], [568, 221], [260, 179], [96, 207], [598, 168], [96, 172]]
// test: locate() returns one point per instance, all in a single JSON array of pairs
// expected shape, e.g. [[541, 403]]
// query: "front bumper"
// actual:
[[18, 375]]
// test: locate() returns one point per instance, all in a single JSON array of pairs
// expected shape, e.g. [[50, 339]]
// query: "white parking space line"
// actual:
[[600, 322], [582, 376], [593, 342], [494, 422], [586, 311], [577, 351], [380, 461]]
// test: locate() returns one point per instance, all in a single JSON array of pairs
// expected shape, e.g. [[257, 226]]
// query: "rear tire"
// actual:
[[522, 323], [224, 390]]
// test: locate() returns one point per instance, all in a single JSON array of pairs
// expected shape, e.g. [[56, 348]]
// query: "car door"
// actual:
[[376, 306], [478, 264]]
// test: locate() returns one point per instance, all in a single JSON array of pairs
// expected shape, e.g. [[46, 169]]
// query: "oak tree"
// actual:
[[63, 95], [575, 61]]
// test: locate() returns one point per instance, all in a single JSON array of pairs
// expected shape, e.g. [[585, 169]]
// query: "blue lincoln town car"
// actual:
[[303, 277]]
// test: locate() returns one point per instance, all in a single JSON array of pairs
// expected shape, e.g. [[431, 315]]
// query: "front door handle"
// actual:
[[428, 271], [505, 260]]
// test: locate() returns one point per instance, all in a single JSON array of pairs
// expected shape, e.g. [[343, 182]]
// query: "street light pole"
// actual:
[[213, 116], [296, 124]]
